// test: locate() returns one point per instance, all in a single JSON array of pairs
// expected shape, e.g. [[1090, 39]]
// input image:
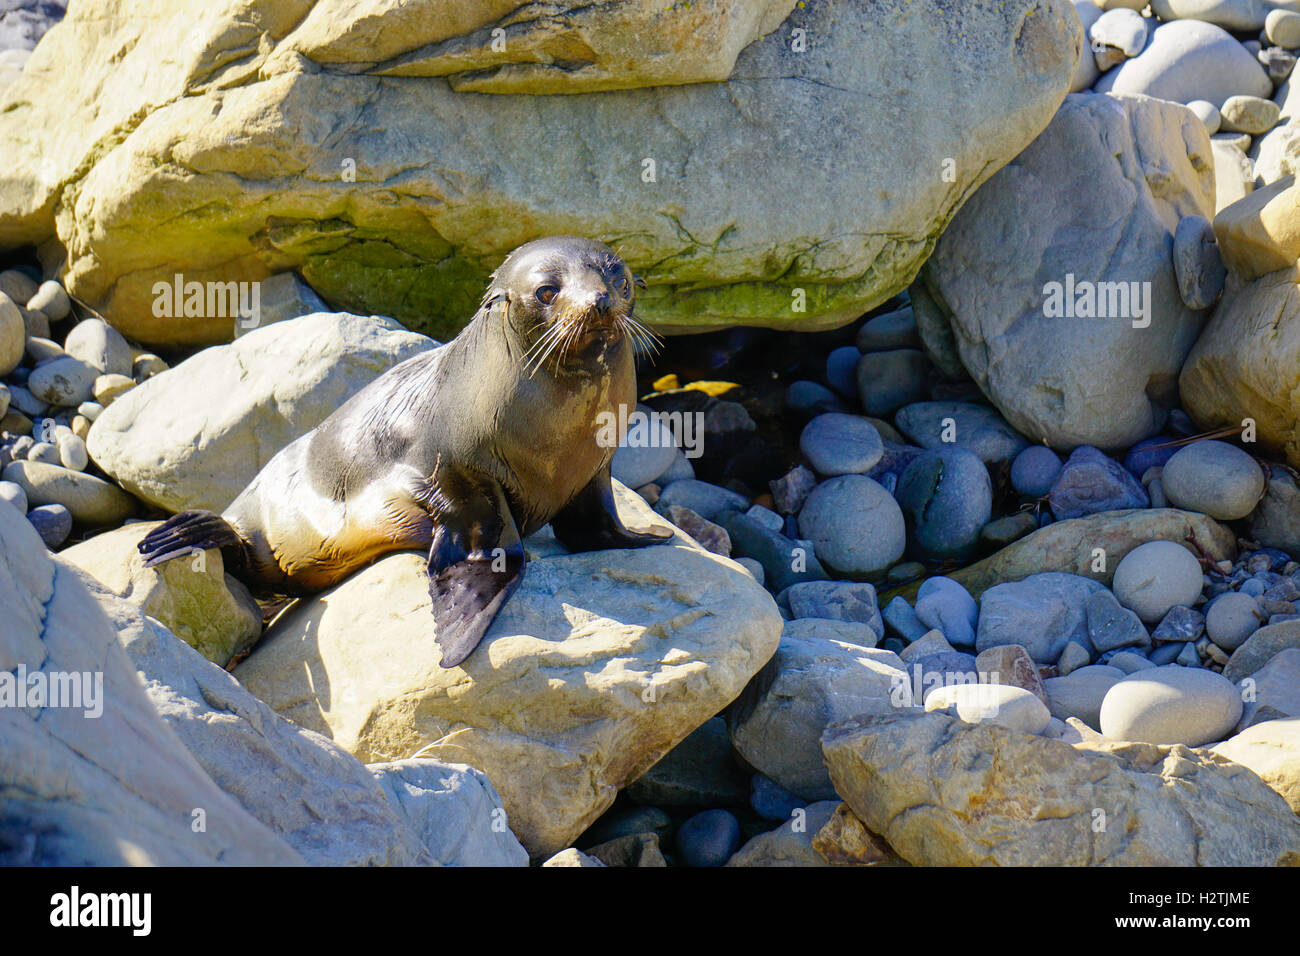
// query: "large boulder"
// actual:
[[324, 803], [597, 666], [1067, 251], [196, 434], [222, 144], [1247, 362], [105, 782], [946, 793]]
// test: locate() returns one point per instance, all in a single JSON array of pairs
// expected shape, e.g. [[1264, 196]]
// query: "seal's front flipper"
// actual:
[[475, 563], [191, 531], [590, 521]]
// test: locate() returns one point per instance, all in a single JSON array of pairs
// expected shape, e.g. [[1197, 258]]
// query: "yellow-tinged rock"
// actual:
[[1260, 233], [1246, 364], [192, 597]]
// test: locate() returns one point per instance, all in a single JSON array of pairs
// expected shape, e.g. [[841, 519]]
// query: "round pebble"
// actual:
[[646, 452], [107, 388], [1034, 470], [842, 370], [100, 346], [1282, 27], [146, 366], [17, 285], [1120, 29], [946, 497], [1156, 576], [65, 382], [44, 451], [837, 444], [52, 522], [72, 451], [1214, 478], [1253, 115], [855, 525], [889, 380], [893, 330], [1171, 705], [708, 839], [1231, 618]]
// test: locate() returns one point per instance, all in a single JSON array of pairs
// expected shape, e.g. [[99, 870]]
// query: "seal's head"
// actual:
[[567, 299]]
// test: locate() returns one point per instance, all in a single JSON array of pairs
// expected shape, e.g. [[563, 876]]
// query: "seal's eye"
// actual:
[[624, 287], [546, 294]]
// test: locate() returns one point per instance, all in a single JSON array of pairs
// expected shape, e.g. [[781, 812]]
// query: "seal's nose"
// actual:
[[600, 302]]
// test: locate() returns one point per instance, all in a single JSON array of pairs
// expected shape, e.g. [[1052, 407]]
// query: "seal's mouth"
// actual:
[[575, 330]]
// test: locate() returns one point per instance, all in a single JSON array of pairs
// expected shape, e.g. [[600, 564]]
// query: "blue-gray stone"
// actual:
[[1091, 482], [1111, 625], [1179, 624], [785, 562], [52, 522], [1034, 470], [977, 428], [901, 619], [1168, 653], [940, 670], [842, 370], [889, 380], [812, 398], [944, 604], [771, 801], [946, 497], [706, 500], [1041, 612], [1149, 453], [708, 839], [834, 601], [838, 444], [892, 330]]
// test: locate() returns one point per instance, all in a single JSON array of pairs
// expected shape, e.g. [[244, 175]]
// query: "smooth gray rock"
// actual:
[[1275, 522], [706, 500], [946, 605], [977, 428], [1189, 60], [947, 497], [1231, 618], [855, 525], [889, 380], [1156, 576], [1260, 648], [100, 346], [777, 722], [1197, 263], [1171, 705], [892, 330], [1091, 482], [852, 601], [1035, 470], [1214, 478], [1080, 694], [837, 444], [1041, 612]]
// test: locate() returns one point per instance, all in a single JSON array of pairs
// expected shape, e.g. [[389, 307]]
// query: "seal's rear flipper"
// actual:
[[187, 532], [476, 560], [590, 521]]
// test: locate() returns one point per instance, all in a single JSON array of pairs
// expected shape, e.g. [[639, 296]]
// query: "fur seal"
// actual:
[[463, 450]]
